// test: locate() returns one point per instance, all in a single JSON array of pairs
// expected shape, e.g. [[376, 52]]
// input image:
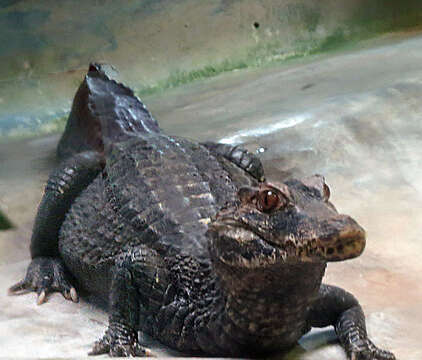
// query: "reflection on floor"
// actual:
[[353, 117]]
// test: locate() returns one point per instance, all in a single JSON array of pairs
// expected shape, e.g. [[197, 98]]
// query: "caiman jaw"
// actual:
[[344, 242]]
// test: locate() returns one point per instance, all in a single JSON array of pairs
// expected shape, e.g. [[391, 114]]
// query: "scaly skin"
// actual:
[[187, 241]]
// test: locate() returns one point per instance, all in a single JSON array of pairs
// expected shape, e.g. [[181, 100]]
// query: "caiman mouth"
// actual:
[[336, 246]]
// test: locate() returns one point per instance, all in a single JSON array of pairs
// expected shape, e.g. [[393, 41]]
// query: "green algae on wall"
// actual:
[[159, 38], [158, 45]]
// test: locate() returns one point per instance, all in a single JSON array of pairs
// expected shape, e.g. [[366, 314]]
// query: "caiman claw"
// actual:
[[45, 275], [120, 341]]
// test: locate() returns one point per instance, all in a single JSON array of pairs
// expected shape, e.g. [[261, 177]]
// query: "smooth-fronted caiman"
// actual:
[[188, 241]]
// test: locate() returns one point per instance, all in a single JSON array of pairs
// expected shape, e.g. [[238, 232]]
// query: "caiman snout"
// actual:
[[344, 239]]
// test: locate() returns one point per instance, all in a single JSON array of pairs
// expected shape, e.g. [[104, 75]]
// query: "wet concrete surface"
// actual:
[[356, 118]]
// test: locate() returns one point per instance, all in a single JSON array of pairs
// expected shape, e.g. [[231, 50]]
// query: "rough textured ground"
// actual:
[[353, 117]]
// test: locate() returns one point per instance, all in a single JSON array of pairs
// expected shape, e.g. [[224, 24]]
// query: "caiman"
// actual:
[[187, 241]]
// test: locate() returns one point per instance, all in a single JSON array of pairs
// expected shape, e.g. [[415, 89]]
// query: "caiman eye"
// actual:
[[269, 200]]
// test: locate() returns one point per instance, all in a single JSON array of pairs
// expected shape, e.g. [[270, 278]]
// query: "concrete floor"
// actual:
[[354, 117]]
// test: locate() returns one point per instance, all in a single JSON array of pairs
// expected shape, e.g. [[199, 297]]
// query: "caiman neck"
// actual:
[[263, 310]]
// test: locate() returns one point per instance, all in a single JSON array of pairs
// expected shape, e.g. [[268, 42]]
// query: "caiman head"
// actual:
[[288, 223]]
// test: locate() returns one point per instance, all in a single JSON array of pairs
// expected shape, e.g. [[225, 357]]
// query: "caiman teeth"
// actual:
[[311, 249]]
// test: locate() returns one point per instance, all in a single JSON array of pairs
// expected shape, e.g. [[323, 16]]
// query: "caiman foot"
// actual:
[[120, 341], [366, 350], [45, 275]]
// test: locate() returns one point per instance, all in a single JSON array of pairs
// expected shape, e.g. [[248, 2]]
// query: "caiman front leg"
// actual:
[[138, 276], [46, 272], [239, 156], [339, 308]]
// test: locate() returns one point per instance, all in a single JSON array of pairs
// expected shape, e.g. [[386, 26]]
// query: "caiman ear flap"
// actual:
[[317, 182]]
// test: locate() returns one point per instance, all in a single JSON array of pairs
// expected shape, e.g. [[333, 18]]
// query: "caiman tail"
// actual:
[[104, 111]]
